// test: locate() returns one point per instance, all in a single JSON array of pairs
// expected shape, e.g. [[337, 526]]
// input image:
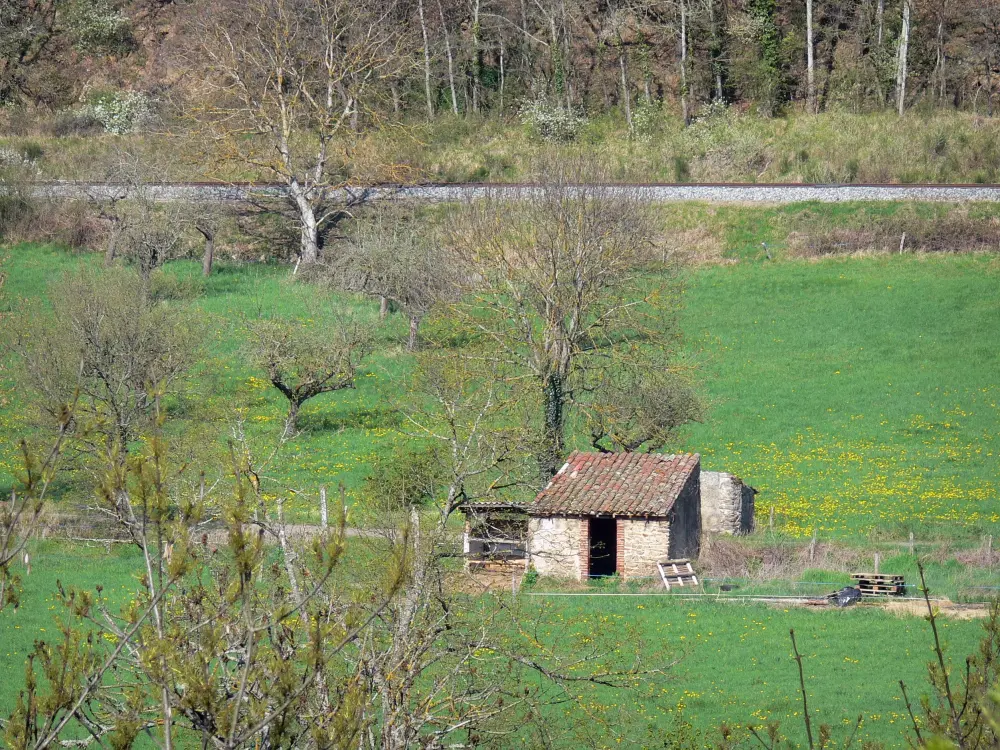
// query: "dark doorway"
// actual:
[[603, 547]]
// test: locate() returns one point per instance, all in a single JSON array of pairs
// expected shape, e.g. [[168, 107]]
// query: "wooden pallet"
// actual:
[[677, 574], [880, 584]]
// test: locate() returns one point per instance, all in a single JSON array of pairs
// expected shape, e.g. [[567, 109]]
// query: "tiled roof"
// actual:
[[617, 484]]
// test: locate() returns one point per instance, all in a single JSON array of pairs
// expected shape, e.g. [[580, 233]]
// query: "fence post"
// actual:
[[770, 521], [911, 542], [322, 508], [812, 547], [878, 560]]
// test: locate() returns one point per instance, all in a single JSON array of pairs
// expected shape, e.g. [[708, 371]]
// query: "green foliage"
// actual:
[[763, 67], [405, 478]]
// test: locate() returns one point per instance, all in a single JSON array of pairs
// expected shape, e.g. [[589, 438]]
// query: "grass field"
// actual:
[[736, 664], [858, 394]]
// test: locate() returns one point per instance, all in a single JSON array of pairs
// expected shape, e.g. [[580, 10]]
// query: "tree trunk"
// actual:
[[292, 420], [111, 251], [880, 20], [810, 60], [551, 456], [411, 344], [477, 62], [427, 61], [716, 53], [309, 251], [451, 60], [939, 65], [903, 59], [686, 114], [626, 98], [989, 86], [209, 257], [503, 79]]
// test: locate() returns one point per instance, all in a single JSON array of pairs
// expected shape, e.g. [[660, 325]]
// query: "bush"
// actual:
[[646, 120], [957, 233], [120, 112], [552, 122], [406, 478], [15, 213], [79, 123], [95, 26]]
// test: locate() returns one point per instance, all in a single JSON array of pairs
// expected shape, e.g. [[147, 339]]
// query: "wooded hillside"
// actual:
[[496, 56]]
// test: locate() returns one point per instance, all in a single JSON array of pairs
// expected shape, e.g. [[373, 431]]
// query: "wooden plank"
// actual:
[[663, 576]]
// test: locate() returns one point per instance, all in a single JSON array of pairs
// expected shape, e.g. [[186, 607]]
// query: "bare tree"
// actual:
[[207, 219], [109, 346], [393, 258], [561, 289], [289, 80], [304, 360], [19, 516], [141, 231]]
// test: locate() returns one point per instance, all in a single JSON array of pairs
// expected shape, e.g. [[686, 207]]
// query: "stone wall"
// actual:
[[641, 544], [685, 519], [727, 504], [555, 546]]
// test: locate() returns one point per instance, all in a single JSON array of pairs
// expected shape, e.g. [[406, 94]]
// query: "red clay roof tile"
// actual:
[[617, 484]]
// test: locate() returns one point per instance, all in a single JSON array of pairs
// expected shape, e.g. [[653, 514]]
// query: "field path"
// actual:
[[771, 194]]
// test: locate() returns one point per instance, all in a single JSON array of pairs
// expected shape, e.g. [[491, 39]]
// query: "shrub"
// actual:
[[646, 121], [552, 122], [95, 26], [406, 478], [79, 123], [120, 112]]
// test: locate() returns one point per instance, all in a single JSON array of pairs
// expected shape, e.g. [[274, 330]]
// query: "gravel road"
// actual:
[[733, 193]]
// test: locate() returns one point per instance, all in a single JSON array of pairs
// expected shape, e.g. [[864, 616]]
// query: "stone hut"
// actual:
[[607, 513]]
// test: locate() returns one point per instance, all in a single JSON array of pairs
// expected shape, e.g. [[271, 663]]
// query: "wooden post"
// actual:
[[323, 520], [770, 521], [812, 547], [343, 502], [878, 560], [911, 543]]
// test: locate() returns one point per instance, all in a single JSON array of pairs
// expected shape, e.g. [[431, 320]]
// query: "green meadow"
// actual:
[[733, 661], [859, 395]]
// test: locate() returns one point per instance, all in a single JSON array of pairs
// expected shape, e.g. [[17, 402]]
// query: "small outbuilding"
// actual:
[[607, 513], [611, 513]]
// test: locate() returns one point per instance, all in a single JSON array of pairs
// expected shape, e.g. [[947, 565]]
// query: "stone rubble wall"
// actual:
[[554, 546], [646, 543], [727, 504]]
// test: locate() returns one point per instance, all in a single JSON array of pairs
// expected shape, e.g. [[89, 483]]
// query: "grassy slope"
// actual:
[[856, 394]]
